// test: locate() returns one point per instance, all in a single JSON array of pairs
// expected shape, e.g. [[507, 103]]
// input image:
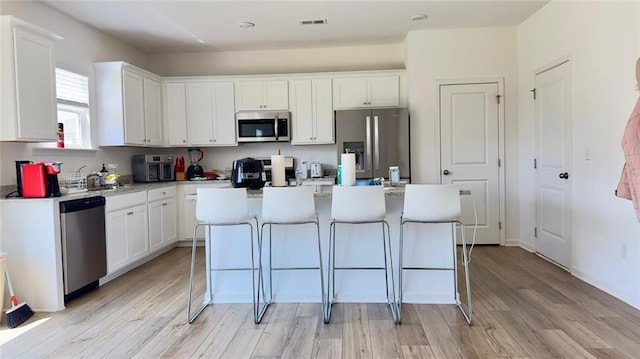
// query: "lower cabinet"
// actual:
[[127, 230], [163, 219]]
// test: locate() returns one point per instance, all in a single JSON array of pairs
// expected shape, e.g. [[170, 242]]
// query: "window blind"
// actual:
[[72, 88]]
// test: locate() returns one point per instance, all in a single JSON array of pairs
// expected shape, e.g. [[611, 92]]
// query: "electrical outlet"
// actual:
[[624, 251]]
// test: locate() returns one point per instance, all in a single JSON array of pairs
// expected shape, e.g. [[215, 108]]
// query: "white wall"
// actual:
[[603, 43], [434, 55], [81, 47], [380, 57]]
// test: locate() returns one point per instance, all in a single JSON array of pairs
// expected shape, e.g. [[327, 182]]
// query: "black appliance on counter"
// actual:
[[248, 173]]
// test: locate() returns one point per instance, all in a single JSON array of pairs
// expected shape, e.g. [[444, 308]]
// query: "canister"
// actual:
[[394, 175]]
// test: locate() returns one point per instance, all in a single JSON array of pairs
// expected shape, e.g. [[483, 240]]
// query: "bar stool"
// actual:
[[224, 207], [291, 206], [360, 205], [435, 204]]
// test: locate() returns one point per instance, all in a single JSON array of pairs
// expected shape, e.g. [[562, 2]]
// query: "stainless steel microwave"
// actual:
[[263, 126]]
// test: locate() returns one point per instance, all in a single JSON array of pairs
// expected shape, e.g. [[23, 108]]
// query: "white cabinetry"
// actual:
[[175, 112], [311, 111], [127, 233], [262, 95], [211, 114], [362, 92], [163, 220], [27, 90], [129, 105]]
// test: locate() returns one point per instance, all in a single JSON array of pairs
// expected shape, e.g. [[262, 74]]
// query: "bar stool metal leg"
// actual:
[[388, 269], [193, 264], [319, 267], [467, 315]]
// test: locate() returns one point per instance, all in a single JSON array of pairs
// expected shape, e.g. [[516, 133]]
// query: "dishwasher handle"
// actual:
[[82, 204]]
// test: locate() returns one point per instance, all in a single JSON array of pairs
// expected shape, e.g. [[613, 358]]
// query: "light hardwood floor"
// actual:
[[524, 307]]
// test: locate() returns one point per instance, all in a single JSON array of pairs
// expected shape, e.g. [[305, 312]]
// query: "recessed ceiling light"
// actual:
[[419, 17], [246, 25]]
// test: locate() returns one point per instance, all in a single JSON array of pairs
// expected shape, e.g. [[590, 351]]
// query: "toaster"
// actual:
[[248, 173]]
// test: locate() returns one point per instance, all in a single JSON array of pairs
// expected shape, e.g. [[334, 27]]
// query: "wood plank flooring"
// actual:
[[524, 307]]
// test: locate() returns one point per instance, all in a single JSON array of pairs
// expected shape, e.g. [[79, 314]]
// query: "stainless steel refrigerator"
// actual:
[[379, 138]]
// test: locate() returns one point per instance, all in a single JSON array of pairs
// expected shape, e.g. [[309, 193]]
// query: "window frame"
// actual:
[[81, 108]]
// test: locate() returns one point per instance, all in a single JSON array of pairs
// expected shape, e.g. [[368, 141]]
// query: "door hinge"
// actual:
[[534, 93], [535, 232], [498, 97], [535, 163], [500, 226], [499, 162]]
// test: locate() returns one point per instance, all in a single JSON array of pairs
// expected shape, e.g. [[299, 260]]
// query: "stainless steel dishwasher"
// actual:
[[84, 245]]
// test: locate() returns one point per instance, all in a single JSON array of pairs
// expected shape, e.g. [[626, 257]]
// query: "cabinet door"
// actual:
[[116, 228], [350, 92], [176, 113], [133, 97], [249, 95], [152, 112], [189, 217], [275, 95], [302, 122], [384, 91], [137, 232], [224, 115], [162, 223], [35, 87], [323, 111], [156, 235], [200, 113], [169, 221]]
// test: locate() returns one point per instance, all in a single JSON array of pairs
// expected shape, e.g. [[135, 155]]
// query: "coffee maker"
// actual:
[[195, 170], [39, 180]]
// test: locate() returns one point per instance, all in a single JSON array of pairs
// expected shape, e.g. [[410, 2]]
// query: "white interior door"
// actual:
[[553, 162], [469, 151]]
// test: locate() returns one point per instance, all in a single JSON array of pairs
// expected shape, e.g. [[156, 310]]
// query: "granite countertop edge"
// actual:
[[138, 187]]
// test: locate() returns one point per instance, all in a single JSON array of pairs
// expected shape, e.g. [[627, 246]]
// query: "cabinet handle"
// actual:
[[210, 140], [214, 140], [129, 213], [164, 192], [164, 204], [184, 141]]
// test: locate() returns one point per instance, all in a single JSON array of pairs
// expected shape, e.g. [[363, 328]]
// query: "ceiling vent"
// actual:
[[313, 22]]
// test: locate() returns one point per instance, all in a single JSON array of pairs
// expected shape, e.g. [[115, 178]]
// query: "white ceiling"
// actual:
[[160, 26]]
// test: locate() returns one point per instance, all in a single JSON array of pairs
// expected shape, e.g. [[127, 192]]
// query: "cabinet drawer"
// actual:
[[161, 193], [126, 200]]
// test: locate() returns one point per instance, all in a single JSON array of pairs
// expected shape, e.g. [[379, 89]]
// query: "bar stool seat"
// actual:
[[435, 203], [225, 207], [357, 205], [287, 206]]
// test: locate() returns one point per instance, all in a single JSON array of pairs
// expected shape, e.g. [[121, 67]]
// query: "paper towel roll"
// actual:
[[277, 171], [348, 162]]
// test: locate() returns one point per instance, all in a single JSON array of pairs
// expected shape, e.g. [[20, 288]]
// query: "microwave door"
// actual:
[[353, 132]]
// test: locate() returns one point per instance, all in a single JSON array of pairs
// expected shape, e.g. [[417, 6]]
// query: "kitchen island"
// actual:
[[357, 246], [30, 233]]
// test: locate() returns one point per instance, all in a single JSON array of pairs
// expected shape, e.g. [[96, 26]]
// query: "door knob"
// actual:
[[563, 175], [445, 172]]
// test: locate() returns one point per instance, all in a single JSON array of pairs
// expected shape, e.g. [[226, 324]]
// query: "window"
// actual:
[[72, 91]]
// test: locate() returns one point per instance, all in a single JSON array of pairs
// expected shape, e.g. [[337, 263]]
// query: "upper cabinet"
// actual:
[[211, 114], [27, 90], [311, 112], [129, 104], [363, 92], [175, 113], [262, 95]]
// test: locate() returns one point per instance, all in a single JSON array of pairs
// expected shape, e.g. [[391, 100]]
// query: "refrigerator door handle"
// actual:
[[376, 144], [367, 159]]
